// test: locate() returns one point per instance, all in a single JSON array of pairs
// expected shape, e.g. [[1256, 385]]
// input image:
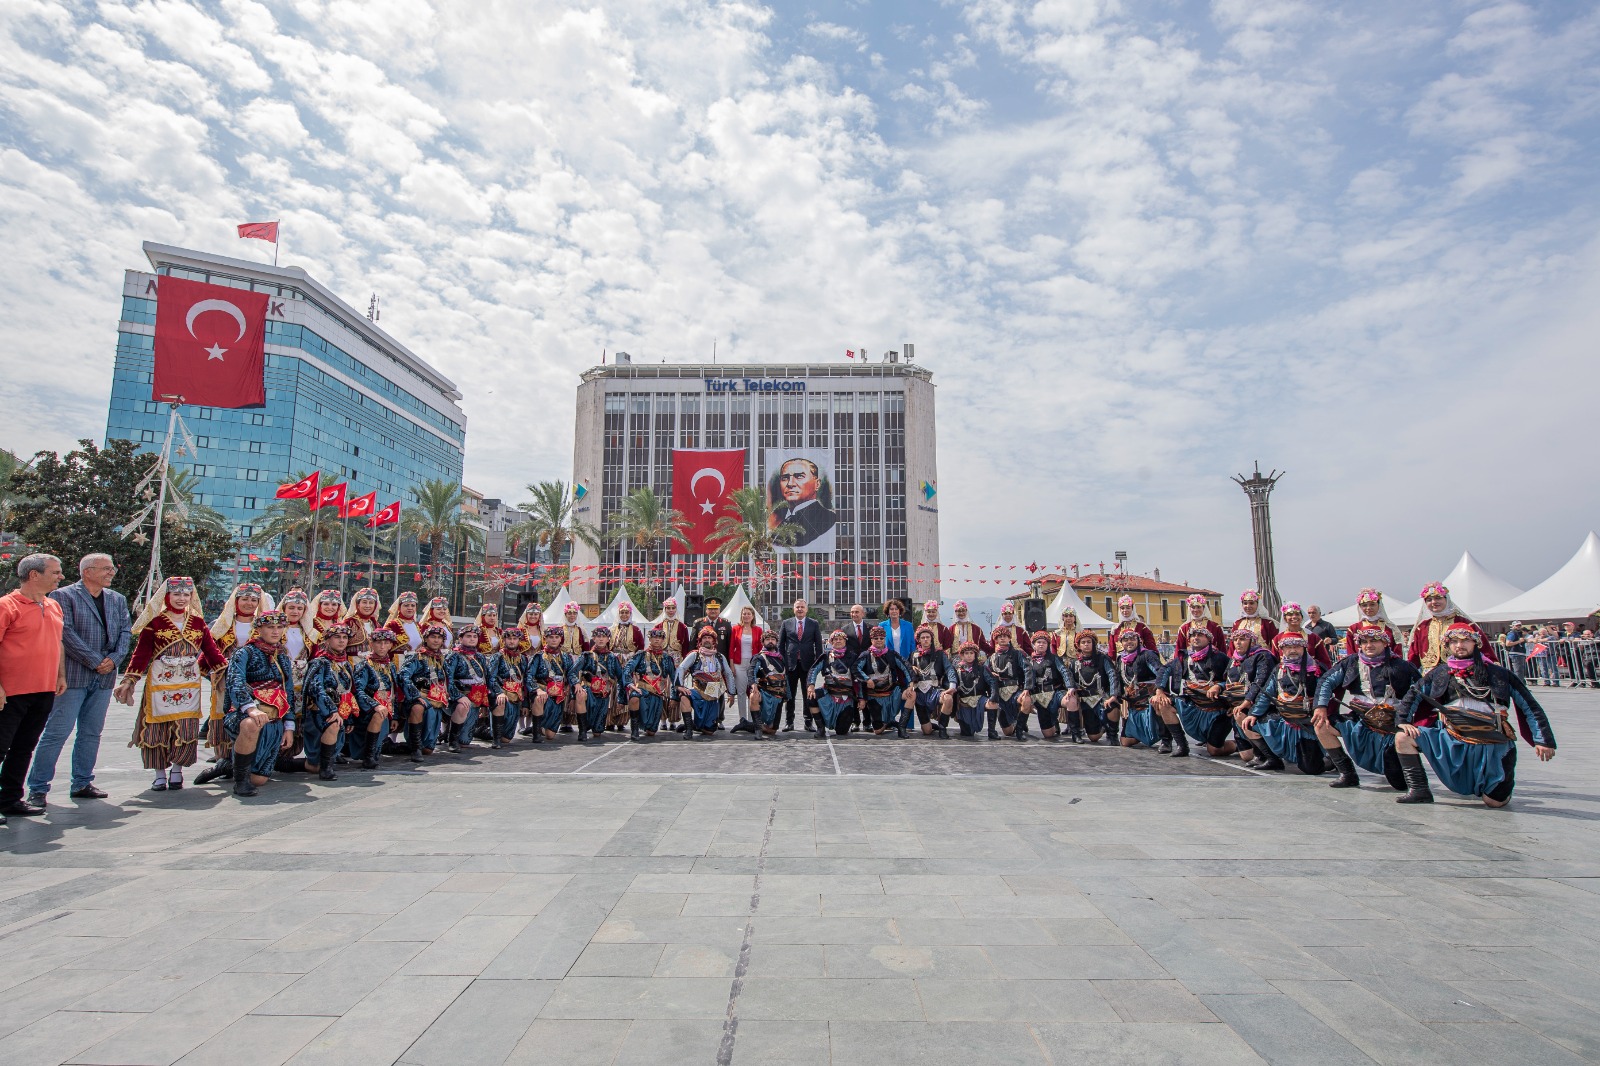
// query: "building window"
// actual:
[[1164, 610], [252, 475], [258, 420], [255, 446], [147, 436], [200, 469], [249, 503], [245, 532], [1110, 611], [202, 442], [202, 412]]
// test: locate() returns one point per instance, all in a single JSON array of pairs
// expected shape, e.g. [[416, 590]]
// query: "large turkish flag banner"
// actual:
[[702, 482], [210, 344]]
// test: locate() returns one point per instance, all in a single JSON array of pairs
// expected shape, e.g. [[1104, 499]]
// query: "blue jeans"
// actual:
[[84, 708]]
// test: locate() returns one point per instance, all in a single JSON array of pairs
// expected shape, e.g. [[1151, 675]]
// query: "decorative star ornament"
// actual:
[[214, 352], [140, 538]]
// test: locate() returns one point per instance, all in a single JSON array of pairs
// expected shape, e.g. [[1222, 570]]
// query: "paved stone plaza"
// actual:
[[858, 901]]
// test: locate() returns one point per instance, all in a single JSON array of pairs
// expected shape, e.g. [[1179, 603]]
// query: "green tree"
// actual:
[[9, 497], [747, 530], [552, 526], [74, 504], [646, 522], [435, 519]]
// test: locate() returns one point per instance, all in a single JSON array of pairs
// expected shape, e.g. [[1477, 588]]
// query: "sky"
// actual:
[[1141, 245]]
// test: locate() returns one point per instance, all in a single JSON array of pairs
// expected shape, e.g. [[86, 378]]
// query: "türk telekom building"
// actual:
[[865, 432]]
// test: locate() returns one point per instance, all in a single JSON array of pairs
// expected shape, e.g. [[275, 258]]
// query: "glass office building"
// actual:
[[342, 396]]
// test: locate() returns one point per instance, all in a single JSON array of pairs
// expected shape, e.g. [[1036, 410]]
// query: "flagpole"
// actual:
[[396, 595], [311, 580], [152, 578], [372, 557], [344, 540]]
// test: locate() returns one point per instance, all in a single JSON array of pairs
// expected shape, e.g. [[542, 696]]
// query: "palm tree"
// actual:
[[181, 509], [551, 524], [646, 522], [747, 530], [436, 519]]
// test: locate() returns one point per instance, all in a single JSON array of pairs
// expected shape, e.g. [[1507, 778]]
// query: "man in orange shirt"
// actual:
[[33, 673]]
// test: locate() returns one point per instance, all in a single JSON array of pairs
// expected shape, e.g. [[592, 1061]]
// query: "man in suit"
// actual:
[[800, 644], [799, 483], [96, 633], [857, 632]]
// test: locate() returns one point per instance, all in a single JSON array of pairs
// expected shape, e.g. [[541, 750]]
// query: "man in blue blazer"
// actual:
[[800, 644]]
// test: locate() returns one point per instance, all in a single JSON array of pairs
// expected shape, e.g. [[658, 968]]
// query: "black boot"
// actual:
[[1021, 730], [1180, 741], [242, 785], [221, 770], [990, 717], [822, 727], [942, 726], [1416, 780], [414, 740], [788, 720], [1113, 731], [1164, 734], [325, 763], [369, 755], [1265, 759], [1347, 769]]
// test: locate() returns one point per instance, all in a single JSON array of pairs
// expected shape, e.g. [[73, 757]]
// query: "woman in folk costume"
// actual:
[[943, 639], [1097, 684], [1279, 726], [931, 691], [551, 673], [647, 678], [326, 608], [573, 640], [473, 689], [173, 654], [1199, 617], [1459, 716], [296, 605], [488, 623], [1139, 670], [1008, 624], [362, 618], [438, 614], [532, 625], [627, 639], [260, 719], [404, 623], [832, 684], [1294, 624], [233, 629], [509, 666], [1128, 619], [1066, 637], [386, 698], [424, 672], [1369, 605], [964, 629], [1372, 684], [1439, 613], [1251, 618], [679, 641], [329, 701]]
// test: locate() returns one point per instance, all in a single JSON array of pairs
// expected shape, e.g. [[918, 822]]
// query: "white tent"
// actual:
[[737, 603], [555, 614], [1573, 592], [1348, 617], [611, 615], [1475, 590], [1067, 597], [661, 615]]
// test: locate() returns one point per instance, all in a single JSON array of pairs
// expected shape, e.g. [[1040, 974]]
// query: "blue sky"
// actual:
[[1141, 244]]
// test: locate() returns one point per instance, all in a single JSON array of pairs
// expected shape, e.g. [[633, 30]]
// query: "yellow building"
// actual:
[[1161, 604]]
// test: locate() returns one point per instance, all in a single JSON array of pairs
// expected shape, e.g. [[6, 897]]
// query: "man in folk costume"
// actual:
[[261, 708], [1008, 624], [1250, 667], [1279, 726], [1096, 686], [509, 666], [1459, 716], [931, 692], [648, 680], [233, 629], [329, 701], [1012, 675], [1128, 619], [964, 629], [678, 643], [362, 618], [1048, 687], [881, 673], [596, 677], [1372, 685], [551, 673], [626, 637], [1294, 624], [425, 673], [1369, 605], [705, 677], [1139, 670], [769, 685], [1427, 648], [1191, 698], [472, 688], [942, 637], [834, 688], [386, 699], [1199, 617], [173, 653], [1251, 618], [973, 687], [488, 623], [404, 624]]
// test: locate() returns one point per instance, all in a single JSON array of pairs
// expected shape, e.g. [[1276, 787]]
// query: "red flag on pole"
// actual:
[[848, 354], [210, 344], [702, 482], [386, 517], [360, 507], [331, 496], [304, 489], [259, 231]]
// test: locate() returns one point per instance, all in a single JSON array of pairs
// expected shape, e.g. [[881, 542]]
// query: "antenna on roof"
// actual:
[[373, 313]]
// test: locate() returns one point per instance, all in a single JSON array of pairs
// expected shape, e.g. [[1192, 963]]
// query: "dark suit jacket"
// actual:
[[814, 520], [83, 638], [853, 645], [800, 643]]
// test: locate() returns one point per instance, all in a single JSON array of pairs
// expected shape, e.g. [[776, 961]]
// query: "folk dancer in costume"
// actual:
[[329, 701], [964, 629], [1371, 684], [1294, 623], [1008, 623], [1128, 619], [472, 688], [1251, 618], [1066, 636], [550, 673], [362, 618], [1369, 605], [1047, 688], [1097, 685], [648, 681], [931, 693], [233, 629], [833, 688], [259, 719], [1279, 725], [1012, 676], [425, 673], [1250, 667], [882, 676], [769, 686], [438, 614], [678, 643], [1139, 670], [574, 643], [173, 653], [627, 639], [404, 624], [488, 623], [595, 680], [385, 698], [509, 666], [1192, 697], [1459, 715], [326, 608], [296, 608], [973, 687], [1440, 612], [943, 639], [1199, 617], [705, 678], [532, 624]]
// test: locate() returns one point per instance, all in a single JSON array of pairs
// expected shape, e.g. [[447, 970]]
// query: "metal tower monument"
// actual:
[[1258, 487]]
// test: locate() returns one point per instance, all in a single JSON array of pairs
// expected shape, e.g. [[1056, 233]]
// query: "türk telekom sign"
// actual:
[[753, 385]]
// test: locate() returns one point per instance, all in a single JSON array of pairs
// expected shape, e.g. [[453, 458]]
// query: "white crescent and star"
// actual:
[[215, 351], [707, 471]]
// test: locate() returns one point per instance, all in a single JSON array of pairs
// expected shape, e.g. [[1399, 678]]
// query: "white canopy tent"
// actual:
[[1573, 592], [677, 594], [737, 603], [1068, 597], [1474, 589], [555, 614], [611, 616]]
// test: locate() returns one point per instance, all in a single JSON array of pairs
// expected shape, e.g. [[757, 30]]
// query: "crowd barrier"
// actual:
[[1562, 660]]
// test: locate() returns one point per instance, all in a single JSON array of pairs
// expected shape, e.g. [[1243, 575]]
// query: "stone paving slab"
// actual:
[[860, 900]]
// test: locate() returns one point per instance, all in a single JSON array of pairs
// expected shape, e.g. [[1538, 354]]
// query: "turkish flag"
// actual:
[[702, 482], [331, 496], [210, 344], [386, 517], [260, 231], [304, 489], [361, 506]]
